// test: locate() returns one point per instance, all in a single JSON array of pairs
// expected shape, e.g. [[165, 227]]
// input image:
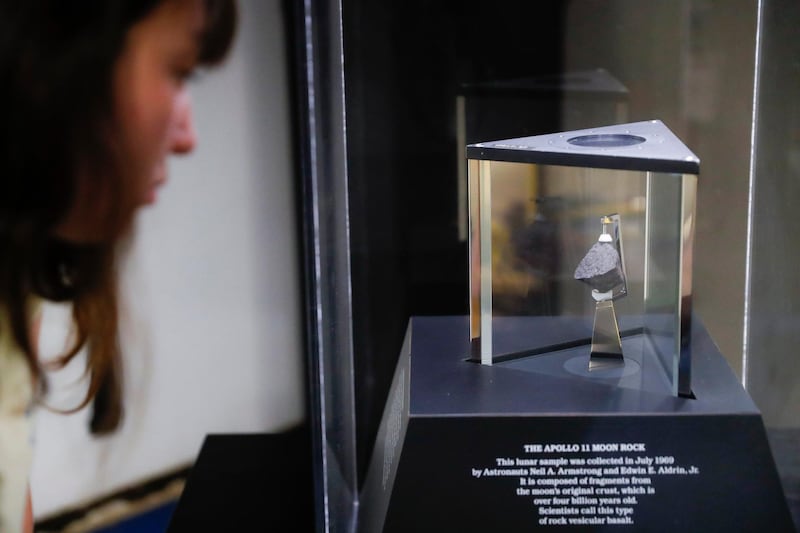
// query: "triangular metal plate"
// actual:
[[644, 146]]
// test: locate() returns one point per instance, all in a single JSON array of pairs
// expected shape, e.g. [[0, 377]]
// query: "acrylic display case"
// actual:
[[581, 255]]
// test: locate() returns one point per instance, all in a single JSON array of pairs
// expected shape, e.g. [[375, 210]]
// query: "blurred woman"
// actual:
[[95, 100]]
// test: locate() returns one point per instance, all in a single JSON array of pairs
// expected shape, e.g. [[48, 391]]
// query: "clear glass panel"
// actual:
[[662, 271], [327, 253], [410, 248]]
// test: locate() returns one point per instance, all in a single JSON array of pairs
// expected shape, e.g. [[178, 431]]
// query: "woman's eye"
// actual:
[[183, 74]]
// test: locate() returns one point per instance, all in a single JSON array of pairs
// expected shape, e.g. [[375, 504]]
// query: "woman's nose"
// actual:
[[183, 137]]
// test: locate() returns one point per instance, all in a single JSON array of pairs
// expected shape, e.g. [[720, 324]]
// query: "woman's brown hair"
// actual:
[[56, 65]]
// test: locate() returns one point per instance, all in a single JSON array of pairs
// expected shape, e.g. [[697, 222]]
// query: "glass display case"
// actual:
[[581, 255]]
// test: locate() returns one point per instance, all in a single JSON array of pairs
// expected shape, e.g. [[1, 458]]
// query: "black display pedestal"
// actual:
[[249, 482], [464, 447]]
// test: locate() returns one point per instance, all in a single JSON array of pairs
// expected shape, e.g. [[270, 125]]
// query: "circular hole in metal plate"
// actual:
[[606, 140]]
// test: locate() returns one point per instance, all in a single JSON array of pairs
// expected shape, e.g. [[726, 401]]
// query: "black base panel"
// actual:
[[249, 482], [466, 448]]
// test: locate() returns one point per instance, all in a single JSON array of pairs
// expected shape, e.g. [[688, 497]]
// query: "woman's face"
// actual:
[[153, 109], [152, 112]]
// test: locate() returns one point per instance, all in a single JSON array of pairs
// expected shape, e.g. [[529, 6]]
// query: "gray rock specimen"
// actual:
[[601, 267]]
